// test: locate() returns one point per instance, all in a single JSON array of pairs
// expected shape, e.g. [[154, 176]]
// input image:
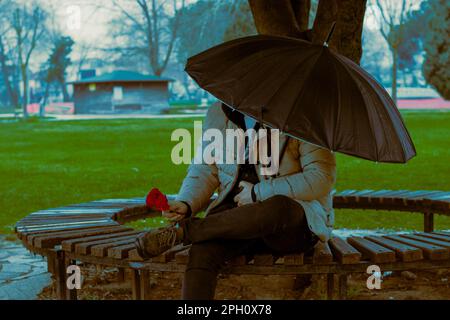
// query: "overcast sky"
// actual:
[[87, 21], [95, 15]]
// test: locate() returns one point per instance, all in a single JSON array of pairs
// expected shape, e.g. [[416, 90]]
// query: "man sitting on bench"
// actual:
[[284, 213]]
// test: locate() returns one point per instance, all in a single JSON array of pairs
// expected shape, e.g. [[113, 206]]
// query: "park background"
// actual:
[[51, 155]]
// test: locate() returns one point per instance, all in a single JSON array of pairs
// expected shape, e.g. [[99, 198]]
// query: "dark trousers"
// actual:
[[277, 225]]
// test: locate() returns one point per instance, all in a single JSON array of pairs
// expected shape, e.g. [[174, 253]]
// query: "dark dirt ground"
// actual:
[[101, 284]]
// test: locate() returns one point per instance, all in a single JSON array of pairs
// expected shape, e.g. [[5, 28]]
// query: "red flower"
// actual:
[[157, 200]]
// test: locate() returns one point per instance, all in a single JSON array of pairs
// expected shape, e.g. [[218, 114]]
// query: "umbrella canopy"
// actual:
[[307, 91]]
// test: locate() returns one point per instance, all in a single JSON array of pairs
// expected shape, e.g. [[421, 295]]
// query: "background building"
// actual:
[[121, 92]]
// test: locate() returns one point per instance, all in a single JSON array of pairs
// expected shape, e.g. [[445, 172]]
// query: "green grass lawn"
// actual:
[[48, 164]]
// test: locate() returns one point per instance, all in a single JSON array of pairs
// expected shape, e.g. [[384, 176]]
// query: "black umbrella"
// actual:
[[307, 91]]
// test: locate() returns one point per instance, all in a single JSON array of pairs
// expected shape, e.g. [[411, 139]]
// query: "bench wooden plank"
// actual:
[[61, 212], [427, 240], [380, 193], [322, 253], [25, 231], [30, 220], [377, 196], [344, 252], [24, 235], [121, 252], [56, 223], [430, 251], [443, 233], [345, 193], [29, 236], [69, 245], [443, 196], [362, 193], [85, 247], [50, 240], [101, 250], [403, 251], [372, 250], [436, 236], [422, 194], [393, 196]]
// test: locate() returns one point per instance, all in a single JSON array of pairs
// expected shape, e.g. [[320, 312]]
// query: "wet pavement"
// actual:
[[22, 274]]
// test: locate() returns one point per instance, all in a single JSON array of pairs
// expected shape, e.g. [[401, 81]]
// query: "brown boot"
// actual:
[[155, 242]]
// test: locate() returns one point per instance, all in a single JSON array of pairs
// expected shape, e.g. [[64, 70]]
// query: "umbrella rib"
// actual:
[[301, 91], [364, 99], [338, 113], [397, 113]]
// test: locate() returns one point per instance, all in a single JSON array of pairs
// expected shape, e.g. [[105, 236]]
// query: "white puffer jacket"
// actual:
[[307, 173]]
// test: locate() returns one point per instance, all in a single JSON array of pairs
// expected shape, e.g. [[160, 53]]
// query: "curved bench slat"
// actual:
[[322, 253], [344, 252], [437, 236], [24, 233], [430, 251], [427, 240], [69, 245], [405, 253], [50, 240], [102, 250], [51, 224], [121, 252], [85, 247], [375, 252], [444, 233], [422, 194]]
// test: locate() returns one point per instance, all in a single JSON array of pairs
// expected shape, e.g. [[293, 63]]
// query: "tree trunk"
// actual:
[[394, 74], [23, 70], [275, 17], [301, 10], [290, 18], [44, 100], [349, 26], [326, 14], [64, 92], [12, 96]]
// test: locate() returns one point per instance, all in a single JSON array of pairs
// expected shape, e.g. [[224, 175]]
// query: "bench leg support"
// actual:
[[428, 222], [136, 284], [60, 275], [343, 286], [71, 293], [330, 286], [60, 268], [121, 275], [51, 263], [145, 284]]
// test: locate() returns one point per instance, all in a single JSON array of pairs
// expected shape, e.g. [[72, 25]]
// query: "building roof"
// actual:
[[122, 76]]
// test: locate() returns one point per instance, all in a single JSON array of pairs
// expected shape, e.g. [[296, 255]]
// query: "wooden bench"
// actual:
[[95, 233]]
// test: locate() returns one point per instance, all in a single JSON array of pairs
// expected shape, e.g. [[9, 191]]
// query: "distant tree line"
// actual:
[[157, 36]]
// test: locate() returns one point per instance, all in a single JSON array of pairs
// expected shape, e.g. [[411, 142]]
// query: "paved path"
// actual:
[[22, 275]]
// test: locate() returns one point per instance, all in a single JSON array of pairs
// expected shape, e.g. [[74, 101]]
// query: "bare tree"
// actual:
[[28, 25], [7, 54], [149, 28], [392, 15]]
